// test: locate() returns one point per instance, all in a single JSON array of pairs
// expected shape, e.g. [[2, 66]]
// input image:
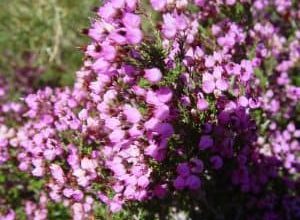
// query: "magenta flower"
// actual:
[[164, 94], [160, 191], [57, 173], [200, 2], [88, 164], [202, 104], [143, 181], [153, 75], [132, 114], [205, 142], [101, 65], [221, 84], [208, 86], [115, 206], [193, 182], [131, 20], [243, 101], [108, 52], [214, 81], [134, 35], [112, 123], [169, 26], [162, 112], [197, 165], [216, 161], [158, 5], [179, 183], [164, 129], [230, 2], [107, 11], [183, 169], [116, 136], [133, 140]]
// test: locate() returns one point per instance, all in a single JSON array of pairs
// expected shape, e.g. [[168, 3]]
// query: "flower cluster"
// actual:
[[176, 100]]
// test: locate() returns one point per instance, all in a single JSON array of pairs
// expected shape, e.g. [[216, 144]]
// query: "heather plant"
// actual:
[[181, 109]]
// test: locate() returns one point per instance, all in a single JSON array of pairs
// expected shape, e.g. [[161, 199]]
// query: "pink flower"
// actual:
[[156, 152], [135, 131], [131, 5], [112, 123], [101, 65], [200, 2], [169, 26], [153, 75], [107, 11], [181, 22], [151, 150], [108, 52], [115, 206], [162, 112], [118, 3], [82, 178], [131, 20], [88, 164], [83, 114], [158, 5], [151, 124], [134, 35], [164, 94], [73, 160], [143, 181], [38, 168], [57, 173], [151, 98], [78, 212], [132, 114], [116, 135], [208, 86], [118, 36], [209, 61], [68, 192], [118, 169], [11, 215], [141, 195], [202, 104], [221, 84], [247, 70], [130, 192], [77, 195], [230, 2]]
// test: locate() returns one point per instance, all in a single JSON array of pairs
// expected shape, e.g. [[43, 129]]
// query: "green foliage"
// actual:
[[57, 212], [295, 73], [102, 213], [262, 78], [238, 13], [50, 29], [172, 76], [16, 187]]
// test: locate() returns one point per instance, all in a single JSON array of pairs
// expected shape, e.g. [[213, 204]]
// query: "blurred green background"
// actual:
[[48, 30]]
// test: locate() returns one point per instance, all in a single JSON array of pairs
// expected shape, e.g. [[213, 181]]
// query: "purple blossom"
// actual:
[[205, 142]]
